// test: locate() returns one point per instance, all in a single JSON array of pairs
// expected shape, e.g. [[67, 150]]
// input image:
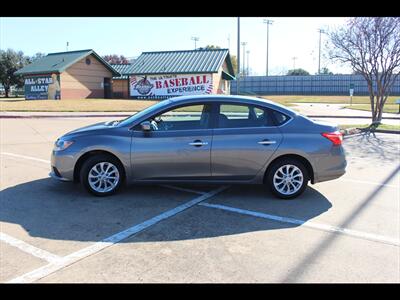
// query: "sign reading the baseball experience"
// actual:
[[42, 87], [166, 86]]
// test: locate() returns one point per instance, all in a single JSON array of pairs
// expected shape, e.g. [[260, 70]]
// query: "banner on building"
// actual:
[[42, 87], [166, 86]]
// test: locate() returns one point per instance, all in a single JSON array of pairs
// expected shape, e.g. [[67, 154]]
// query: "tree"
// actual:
[[297, 72], [10, 62], [36, 57], [325, 71], [372, 47], [116, 59]]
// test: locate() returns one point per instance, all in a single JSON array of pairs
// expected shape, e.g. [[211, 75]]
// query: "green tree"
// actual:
[[297, 72], [325, 71], [10, 62]]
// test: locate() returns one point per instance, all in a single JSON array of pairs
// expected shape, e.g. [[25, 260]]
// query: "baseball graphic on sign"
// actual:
[[144, 86]]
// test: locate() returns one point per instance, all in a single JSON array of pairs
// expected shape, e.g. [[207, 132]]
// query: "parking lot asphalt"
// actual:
[[346, 230]]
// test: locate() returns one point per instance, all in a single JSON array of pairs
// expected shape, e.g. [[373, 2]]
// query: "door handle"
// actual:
[[267, 142], [198, 143]]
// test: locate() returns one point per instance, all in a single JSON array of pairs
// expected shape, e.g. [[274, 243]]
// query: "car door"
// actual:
[[244, 139], [177, 147]]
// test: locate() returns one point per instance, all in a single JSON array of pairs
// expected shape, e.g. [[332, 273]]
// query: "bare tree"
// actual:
[[372, 47]]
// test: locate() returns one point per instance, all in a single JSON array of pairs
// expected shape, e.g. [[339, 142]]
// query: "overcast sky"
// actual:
[[289, 37]]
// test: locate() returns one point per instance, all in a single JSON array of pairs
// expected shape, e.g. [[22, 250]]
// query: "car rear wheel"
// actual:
[[102, 175], [287, 178]]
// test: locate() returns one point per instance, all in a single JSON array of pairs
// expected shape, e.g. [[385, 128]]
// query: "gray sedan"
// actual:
[[203, 139]]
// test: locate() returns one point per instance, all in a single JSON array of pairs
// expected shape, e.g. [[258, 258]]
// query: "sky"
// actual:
[[130, 36]]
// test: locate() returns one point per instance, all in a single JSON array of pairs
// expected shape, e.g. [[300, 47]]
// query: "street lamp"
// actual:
[[195, 39], [268, 22], [319, 54], [244, 51]]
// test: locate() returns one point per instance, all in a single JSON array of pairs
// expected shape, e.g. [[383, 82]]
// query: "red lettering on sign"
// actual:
[[192, 80], [158, 85], [184, 81]]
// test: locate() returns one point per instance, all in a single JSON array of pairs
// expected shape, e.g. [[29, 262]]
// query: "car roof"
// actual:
[[233, 98]]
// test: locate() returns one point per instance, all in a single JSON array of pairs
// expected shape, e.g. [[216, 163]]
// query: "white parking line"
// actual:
[[50, 257], [25, 157], [369, 182], [107, 242], [309, 224], [183, 189]]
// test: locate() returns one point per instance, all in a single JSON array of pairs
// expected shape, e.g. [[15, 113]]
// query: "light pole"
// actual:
[[247, 70], [67, 46], [294, 62], [268, 22], [229, 42], [319, 53], [244, 52], [195, 39], [238, 56]]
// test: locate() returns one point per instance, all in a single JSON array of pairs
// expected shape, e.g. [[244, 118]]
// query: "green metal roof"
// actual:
[[123, 69], [58, 62], [182, 62]]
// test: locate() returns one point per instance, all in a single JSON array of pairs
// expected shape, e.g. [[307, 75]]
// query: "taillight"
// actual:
[[335, 137]]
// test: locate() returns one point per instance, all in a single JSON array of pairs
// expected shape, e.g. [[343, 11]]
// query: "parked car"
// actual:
[[203, 139]]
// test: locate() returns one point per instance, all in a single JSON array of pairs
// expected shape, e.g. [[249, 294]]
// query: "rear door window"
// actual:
[[242, 115]]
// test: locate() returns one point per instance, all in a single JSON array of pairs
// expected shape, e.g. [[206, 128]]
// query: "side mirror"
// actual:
[[146, 126]]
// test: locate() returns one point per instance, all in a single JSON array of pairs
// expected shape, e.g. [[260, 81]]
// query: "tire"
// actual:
[[106, 185], [293, 188]]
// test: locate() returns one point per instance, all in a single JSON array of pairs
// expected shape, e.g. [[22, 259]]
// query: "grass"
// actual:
[[76, 105], [388, 108], [130, 105], [325, 99], [381, 126]]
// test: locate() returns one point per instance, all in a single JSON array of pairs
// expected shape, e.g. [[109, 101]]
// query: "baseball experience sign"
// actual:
[[166, 86]]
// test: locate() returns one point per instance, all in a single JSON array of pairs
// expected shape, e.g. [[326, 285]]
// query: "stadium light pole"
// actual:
[[238, 57], [244, 52], [319, 53], [195, 39], [268, 22], [247, 69], [294, 62]]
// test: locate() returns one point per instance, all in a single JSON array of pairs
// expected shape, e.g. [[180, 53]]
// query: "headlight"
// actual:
[[62, 145]]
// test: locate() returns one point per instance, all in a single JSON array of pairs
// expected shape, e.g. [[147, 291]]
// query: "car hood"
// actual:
[[91, 128]]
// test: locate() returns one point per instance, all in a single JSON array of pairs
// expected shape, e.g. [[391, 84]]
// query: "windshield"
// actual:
[[145, 111]]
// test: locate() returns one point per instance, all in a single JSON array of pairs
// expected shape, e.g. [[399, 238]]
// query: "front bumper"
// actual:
[[62, 165], [55, 176]]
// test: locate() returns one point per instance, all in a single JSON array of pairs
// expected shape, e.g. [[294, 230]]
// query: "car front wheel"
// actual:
[[287, 178], [102, 175]]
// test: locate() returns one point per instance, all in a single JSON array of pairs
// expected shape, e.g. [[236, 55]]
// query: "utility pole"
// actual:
[[268, 22], [195, 39], [319, 54], [294, 62], [238, 56], [247, 70], [244, 52]]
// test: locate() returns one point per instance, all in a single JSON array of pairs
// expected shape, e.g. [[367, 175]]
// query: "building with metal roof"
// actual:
[[68, 75], [121, 82], [164, 74]]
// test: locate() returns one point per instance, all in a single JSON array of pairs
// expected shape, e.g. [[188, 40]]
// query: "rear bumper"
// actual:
[[331, 166]]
